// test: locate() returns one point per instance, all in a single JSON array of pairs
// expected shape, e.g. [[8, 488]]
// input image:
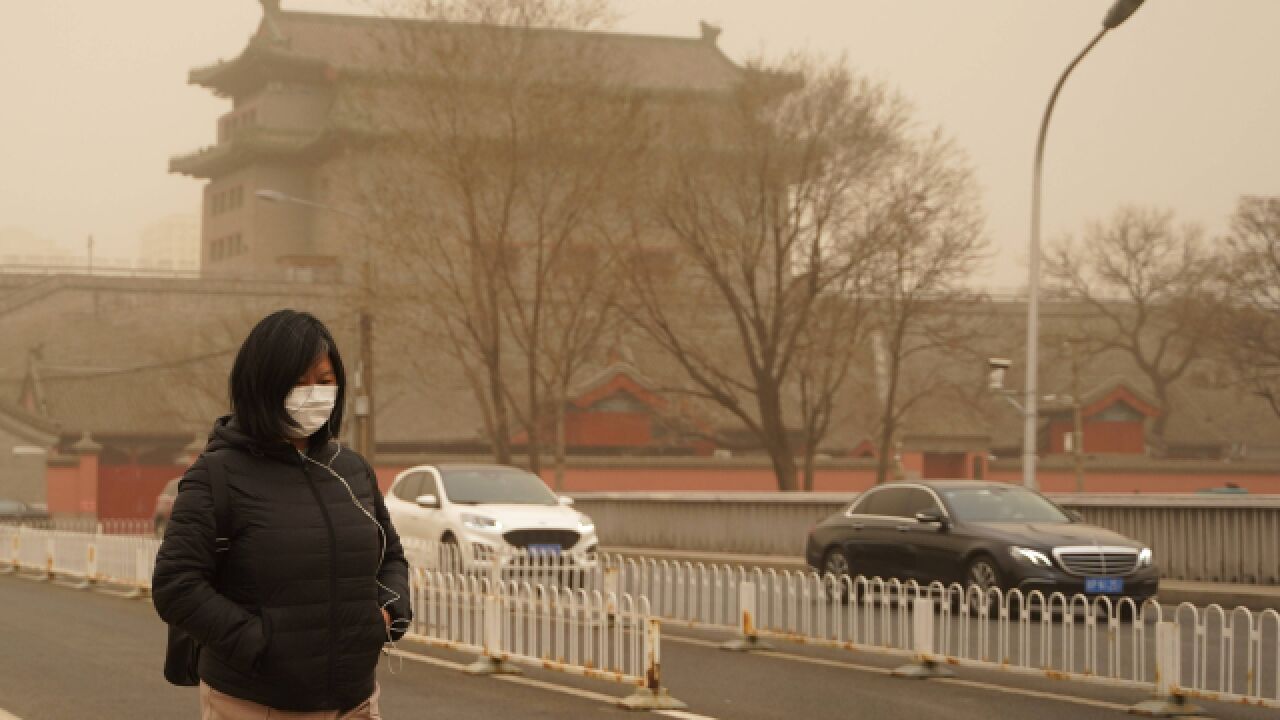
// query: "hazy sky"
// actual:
[[1180, 107]]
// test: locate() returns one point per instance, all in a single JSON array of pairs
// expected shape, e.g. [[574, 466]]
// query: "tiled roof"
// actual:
[[353, 43]]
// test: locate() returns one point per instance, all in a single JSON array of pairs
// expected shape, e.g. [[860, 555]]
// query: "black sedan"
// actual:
[[991, 535]]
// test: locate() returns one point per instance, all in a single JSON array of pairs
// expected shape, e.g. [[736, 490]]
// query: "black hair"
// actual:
[[281, 348]]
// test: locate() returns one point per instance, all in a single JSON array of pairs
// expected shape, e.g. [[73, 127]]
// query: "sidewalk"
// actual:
[[1257, 598]]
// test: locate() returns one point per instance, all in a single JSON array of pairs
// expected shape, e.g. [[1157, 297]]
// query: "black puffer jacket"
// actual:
[[294, 621]]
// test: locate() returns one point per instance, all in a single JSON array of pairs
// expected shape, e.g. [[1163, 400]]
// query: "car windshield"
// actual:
[[495, 486], [1001, 505]]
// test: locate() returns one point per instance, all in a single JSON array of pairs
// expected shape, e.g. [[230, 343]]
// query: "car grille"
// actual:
[[524, 538], [1098, 563]]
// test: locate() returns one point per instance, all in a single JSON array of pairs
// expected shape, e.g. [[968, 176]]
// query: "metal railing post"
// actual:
[[748, 634], [922, 632], [493, 658], [652, 696], [1169, 700]]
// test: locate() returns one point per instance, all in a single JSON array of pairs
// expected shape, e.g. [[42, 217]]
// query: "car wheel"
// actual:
[[984, 574], [836, 564]]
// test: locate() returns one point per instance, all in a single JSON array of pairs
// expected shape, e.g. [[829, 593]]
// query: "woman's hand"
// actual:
[[386, 617]]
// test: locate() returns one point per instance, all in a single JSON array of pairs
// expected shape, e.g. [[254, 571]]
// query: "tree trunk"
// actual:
[[886, 452], [784, 465], [1162, 420], [560, 444], [534, 430], [776, 441], [810, 459], [501, 418]]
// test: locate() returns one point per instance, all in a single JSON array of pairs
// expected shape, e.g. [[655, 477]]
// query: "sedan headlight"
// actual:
[[585, 523], [480, 522], [1027, 555], [1146, 558]]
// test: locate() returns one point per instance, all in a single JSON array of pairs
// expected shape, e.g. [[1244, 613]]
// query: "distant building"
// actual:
[[21, 248], [286, 131], [172, 243]]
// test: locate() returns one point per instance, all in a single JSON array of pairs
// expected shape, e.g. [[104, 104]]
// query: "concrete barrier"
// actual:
[[1201, 538]]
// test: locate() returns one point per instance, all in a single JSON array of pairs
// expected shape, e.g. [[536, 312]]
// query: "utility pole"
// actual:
[[1077, 446], [364, 401]]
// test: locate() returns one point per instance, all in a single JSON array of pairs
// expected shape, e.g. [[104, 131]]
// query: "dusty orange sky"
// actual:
[[1176, 108]]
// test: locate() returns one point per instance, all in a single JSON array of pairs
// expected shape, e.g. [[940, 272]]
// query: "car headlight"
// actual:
[[585, 523], [1146, 558], [1035, 557], [480, 522]]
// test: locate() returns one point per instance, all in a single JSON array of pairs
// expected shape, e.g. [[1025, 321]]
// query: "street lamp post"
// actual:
[[1119, 12], [365, 443]]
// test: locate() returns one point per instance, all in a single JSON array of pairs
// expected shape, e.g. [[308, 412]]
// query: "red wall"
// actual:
[[614, 429], [675, 479], [1064, 481], [946, 466], [63, 492], [1127, 438], [129, 491]]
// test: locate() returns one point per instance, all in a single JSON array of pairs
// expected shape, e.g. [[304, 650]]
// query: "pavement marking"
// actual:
[[8, 716], [540, 684], [887, 671], [1103, 704]]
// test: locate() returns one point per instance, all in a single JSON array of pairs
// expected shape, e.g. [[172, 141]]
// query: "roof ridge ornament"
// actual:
[[270, 29], [710, 33]]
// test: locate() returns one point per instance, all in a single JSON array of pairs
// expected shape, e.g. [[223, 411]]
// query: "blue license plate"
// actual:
[[544, 550], [1104, 586]]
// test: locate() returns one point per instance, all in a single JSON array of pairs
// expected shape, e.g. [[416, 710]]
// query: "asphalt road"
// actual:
[[74, 654]]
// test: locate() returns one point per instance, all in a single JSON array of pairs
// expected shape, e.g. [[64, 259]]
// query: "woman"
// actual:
[[314, 580]]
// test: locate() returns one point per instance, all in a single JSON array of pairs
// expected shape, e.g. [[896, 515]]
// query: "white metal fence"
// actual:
[[114, 563], [585, 633], [531, 609], [1222, 655], [598, 617]]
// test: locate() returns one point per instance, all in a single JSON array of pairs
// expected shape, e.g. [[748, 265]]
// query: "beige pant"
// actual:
[[216, 705]]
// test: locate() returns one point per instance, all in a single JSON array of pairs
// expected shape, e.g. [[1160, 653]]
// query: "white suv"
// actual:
[[481, 512]]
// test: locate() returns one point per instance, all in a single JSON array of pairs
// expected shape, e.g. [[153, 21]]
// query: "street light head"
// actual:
[[1120, 12], [996, 368], [272, 196]]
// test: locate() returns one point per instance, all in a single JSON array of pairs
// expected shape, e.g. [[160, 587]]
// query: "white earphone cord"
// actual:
[[382, 535]]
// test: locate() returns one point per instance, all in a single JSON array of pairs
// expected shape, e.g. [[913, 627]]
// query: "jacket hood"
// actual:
[[226, 433]]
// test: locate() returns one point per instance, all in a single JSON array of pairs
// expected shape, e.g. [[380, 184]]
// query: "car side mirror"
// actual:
[[428, 501], [931, 517], [565, 501], [1075, 516]]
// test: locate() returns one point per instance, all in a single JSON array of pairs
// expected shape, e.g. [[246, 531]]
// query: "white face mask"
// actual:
[[310, 407]]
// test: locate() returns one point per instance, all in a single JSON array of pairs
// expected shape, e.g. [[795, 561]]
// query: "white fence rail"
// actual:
[[522, 611], [1225, 655], [583, 633], [120, 564], [598, 617]]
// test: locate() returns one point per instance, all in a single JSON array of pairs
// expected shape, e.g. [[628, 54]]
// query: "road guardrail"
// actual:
[[1202, 538]]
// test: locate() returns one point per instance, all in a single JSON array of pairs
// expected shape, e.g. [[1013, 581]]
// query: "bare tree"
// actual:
[[747, 241], [510, 136], [927, 215], [1148, 283], [1248, 322]]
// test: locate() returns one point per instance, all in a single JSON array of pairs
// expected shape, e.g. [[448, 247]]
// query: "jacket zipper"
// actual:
[[333, 577]]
